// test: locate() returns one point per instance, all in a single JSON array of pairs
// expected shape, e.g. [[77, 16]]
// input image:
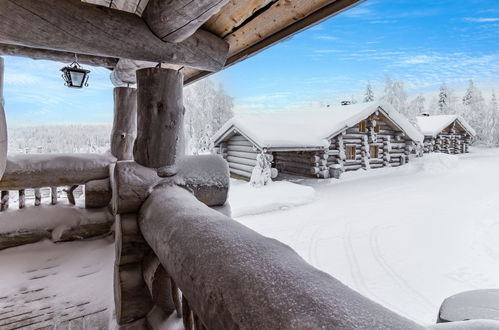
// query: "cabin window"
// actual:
[[362, 126], [374, 151], [350, 152]]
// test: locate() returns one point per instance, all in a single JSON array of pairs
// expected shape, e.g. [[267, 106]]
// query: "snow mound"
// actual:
[[247, 200], [435, 163]]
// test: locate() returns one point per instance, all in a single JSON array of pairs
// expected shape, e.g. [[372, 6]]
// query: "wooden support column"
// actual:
[[3, 125], [22, 199], [53, 195], [4, 199], [125, 123], [160, 119]]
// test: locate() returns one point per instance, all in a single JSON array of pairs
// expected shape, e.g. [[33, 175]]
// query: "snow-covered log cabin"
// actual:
[[450, 134], [319, 143]]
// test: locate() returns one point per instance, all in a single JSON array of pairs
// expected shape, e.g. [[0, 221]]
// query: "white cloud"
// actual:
[[482, 19]]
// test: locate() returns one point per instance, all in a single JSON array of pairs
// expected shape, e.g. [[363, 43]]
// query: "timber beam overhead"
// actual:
[[76, 27]]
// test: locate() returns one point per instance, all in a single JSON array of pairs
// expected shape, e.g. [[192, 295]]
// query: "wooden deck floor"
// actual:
[[57, 286]]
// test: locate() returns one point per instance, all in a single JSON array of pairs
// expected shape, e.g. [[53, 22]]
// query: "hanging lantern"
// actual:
[[74, 75]]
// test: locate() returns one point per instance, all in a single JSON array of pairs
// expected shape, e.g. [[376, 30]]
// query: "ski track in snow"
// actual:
[[405, 237]]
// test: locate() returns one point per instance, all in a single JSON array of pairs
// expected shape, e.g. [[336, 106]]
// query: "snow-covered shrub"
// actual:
[[261, 174]]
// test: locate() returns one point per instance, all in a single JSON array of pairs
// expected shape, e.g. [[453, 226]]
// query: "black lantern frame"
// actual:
[[72, 71]]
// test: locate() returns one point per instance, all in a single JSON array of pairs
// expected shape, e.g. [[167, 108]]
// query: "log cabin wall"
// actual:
[[451, 140], [240, 154], [372, 143], [310, 164]]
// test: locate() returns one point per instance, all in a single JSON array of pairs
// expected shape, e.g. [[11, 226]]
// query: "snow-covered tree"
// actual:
[[443, 100], [369, 94], [353, 100], [262, 172], [395, 95], [208, 107], [417, 106], [474, 109], [491, 124]]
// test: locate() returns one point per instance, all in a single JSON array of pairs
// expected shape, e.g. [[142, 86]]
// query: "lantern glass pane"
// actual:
[[77, 78]]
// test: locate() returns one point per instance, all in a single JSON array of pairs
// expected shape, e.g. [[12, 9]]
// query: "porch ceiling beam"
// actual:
[[76, 27], [54, 55], [176, 20]]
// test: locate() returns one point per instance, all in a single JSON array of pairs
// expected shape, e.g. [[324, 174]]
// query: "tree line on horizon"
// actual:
[[481, 114]]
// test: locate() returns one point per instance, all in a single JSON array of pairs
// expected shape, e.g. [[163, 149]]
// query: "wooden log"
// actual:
[[39, 170], [177, 298], [38, 197], [237, 296], [53, 195], [3, 125], [238, 138], [248, 155], [187, 314], [351, 167], [240, 160], [131, 296], [4, 200], [241, 148], [52, 55], [158, 282], [299, 158], [22, 199], [242, 167], [160, 119], [125, 123], [97, 193], [241, 173], [70, 194], [176, 20], [285, 164], [299, 170], [53, 25], [239, 143], [132, 182]]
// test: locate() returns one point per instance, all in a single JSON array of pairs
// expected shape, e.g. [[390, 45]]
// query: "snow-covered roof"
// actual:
[[308, 129], [433, 125]]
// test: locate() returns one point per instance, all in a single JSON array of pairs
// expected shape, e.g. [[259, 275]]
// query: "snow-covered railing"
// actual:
[[231, 277], [39, 171]]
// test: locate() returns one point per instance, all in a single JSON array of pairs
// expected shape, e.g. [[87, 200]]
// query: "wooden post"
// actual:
[[38, 197], [53, 195], [3, 125], [160, 119], [125, 123], [4, 200], [22, 200]]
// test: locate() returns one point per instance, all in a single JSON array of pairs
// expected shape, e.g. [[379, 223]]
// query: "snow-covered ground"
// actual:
[[405, 237]]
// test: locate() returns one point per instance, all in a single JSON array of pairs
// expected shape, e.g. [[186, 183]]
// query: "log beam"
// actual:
[[77, 27], [125, 123], [176, 20], [160, 118], [53, 55], [3, 125]]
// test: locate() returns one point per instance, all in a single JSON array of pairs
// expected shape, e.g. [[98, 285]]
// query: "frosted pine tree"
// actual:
[[491, 129], [417, 106], [474, 109], [208, 107], [369, 94], [443, 100], [396, 96]]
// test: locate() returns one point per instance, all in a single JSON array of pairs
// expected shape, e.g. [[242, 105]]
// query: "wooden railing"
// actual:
[[51, 171], [231, 277]]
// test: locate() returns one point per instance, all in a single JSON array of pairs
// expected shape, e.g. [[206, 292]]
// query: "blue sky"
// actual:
[[421, 42]]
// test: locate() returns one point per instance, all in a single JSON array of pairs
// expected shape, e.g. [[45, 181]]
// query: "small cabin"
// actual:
[[319, 143], [449, 134]]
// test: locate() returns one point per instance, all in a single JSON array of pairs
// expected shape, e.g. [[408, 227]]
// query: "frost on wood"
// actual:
[[48, 170], [3, 125], [206, 176], [476, 304], [59, 222], [261, 174], [235, 278]]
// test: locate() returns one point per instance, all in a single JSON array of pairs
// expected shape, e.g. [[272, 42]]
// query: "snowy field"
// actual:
[[405, 237]]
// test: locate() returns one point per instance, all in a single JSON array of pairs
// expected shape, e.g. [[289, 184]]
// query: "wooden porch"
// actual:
[[175, 252]]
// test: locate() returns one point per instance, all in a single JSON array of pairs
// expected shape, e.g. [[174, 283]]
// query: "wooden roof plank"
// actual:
[[72, 26]]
